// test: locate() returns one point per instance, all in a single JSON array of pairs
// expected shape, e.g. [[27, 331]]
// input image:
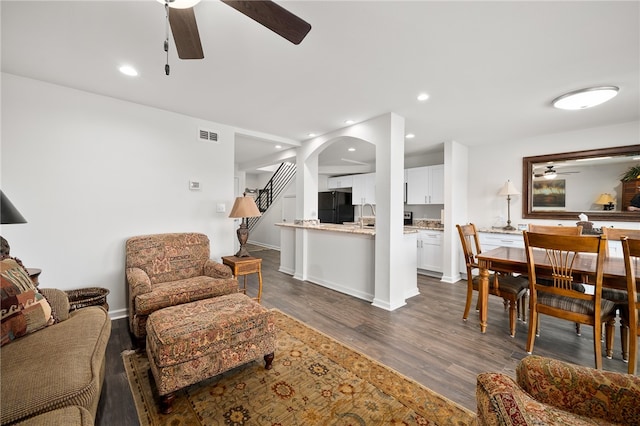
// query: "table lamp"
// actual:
[[9, 214], [244, 207], [509, 189], [606, 200]]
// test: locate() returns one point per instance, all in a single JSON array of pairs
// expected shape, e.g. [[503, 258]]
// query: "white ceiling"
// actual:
[[491, 68]]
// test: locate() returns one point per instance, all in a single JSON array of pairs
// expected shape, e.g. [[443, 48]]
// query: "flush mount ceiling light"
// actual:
[[410, 136], [585, 98], [349, 122], [423, 97]]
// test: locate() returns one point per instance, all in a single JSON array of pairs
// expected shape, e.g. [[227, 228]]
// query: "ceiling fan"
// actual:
[[551, 173], [182, 20]]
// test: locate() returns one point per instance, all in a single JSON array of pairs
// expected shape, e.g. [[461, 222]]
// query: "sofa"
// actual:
[[165, 270], [54, 375], [552, 392]]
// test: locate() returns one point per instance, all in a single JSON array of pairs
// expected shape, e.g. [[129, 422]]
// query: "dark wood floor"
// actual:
[[425, 340]]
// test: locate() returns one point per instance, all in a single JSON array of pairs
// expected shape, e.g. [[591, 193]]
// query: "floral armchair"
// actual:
[[552, 392], [171, 269]]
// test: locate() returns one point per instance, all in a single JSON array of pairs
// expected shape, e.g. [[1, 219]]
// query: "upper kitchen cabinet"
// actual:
[[364, 189], [425, 185], [339, 182]]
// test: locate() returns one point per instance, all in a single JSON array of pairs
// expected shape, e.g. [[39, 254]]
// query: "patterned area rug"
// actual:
[[315, 380]]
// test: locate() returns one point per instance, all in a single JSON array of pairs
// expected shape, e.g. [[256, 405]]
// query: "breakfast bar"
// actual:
[[342, 258]]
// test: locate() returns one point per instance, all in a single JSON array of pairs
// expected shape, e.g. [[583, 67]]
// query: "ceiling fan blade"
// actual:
[[185, 33], [275, 17]]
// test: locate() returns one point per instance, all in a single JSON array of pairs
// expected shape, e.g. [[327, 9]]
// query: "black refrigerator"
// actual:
[[335, 207]]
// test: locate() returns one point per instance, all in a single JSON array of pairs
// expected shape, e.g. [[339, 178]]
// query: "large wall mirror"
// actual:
[[561, 186]]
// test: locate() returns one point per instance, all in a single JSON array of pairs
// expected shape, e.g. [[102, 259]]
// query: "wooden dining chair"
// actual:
[[513, 290], [619, 296], [555, 256], [631, 253], [556, 230]]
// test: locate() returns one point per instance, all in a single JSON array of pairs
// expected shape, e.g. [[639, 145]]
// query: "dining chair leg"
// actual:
[[523, 308], [609, 334], [578, 329], [597, 345], [512, 317], [533, 326], [467, 305], [633, 352], [624, 339]]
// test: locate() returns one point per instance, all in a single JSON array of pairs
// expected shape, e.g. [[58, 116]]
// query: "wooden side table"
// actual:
[[243, 266]]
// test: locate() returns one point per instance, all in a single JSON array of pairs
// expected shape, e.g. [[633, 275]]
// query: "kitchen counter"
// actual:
[[427, 228], [351, 229], [343, 258], [499, 231]]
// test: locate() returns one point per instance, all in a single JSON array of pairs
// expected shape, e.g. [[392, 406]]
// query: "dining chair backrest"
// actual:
[[615, 234], [631, 253], [560, 256], [470, 244], [555, 230]]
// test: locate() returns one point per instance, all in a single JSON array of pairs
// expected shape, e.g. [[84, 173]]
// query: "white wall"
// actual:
[[88, 171], [266, 233], [491, 165]]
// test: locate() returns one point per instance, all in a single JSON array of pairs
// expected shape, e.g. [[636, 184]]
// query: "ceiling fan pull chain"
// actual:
[[166, 37]]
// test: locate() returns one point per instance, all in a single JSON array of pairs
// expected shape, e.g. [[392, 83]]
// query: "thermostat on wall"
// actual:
[[194, 185]]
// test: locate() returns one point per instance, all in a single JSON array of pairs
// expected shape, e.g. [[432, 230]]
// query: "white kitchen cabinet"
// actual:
[[489, 240], [363, 189], [429, 253], [425, 185], [340, 182]]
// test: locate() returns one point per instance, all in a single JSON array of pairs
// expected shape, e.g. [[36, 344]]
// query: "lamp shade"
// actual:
[[605, 199], [8, 212], [244, 207], [509, 189]]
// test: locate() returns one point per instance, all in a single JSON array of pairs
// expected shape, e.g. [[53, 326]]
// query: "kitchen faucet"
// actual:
[[373, 212]]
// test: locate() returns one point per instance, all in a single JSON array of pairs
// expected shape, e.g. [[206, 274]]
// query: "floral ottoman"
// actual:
[[194, 341]]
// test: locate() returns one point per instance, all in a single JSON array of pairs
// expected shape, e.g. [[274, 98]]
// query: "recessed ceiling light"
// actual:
[[311, 135], [278, 146], [128, 70], [351, 149], [410, 136], [349, 122], [423, 97], [585, 98]]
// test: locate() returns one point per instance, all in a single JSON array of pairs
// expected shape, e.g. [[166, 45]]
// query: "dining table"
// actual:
[[514, 260]]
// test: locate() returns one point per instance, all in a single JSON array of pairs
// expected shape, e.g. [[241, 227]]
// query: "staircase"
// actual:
[[272, 190]]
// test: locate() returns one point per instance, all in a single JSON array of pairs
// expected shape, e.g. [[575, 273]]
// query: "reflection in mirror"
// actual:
[[561, 186]]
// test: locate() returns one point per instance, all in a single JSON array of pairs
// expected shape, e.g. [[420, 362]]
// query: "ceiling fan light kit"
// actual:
[[585, 98], [179, 4]]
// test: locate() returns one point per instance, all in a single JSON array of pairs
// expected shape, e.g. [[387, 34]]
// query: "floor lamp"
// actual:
[[9, 214], [509, 189], [243, 208]]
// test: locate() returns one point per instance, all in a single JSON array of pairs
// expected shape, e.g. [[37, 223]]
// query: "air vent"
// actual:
[[207, 135]]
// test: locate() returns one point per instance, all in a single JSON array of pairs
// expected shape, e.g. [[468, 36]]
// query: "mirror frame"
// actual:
[[527, 181]]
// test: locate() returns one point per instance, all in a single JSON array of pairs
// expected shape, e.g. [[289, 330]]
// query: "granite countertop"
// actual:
[[336, 227], [428, 228], [493, 230]]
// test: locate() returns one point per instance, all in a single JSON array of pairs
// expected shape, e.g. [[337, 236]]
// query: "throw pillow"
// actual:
[[24, 309]]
